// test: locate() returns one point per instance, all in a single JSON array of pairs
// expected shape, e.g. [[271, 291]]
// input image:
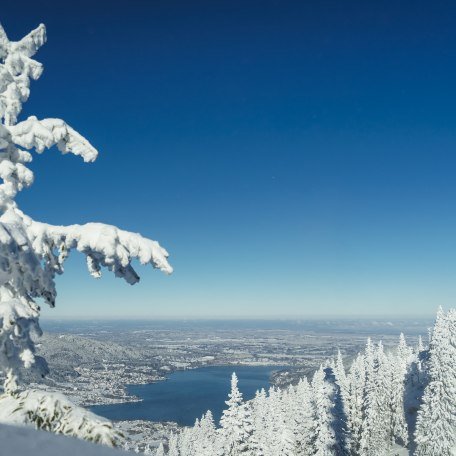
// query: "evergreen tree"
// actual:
[[304, 419], [160, 450], [284, 417], [341, 377], [382, 435], [375, 439], [399, 366], [436, 423], [325, 441], [207, 436], [354, 405], [259, 421], [33, 253], [274, 422], [236, 424], [173, 445], [370, 403]]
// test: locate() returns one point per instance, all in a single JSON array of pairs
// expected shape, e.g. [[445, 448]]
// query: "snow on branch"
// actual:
[[16, 70], [104, 245], [43, 134], [30, 44], [55, 413]]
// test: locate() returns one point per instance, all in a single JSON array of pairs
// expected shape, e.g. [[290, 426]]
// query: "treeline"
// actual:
[[397, 402]]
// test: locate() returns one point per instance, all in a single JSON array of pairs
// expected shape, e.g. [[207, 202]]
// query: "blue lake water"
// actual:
[[186, 395]]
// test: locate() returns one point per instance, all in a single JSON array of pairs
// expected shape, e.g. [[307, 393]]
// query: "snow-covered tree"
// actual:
[[382, 437], [32, 253], [399, 364], [436, 422], [160, 450], [325, 439], [236, 424], [304, 418], [173, 445], [285, 444], [370, 404], [260, 420], [206, 438], [354, 404]]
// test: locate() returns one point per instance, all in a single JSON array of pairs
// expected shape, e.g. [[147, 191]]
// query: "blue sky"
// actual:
[[297, 158]]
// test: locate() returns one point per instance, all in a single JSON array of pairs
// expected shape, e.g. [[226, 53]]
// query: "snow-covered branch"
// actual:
[[43, 134], [54, 412], [104, 245]]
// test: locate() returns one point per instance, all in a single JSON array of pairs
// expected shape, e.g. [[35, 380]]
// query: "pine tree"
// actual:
[[399, 366], [173, 445], [354, 407], [325, 441], [383, 431], [275, 422], [284, 411], [370, 403], [207, 436], [33, 253], [304, 418], [160, 450], [259, 421], [341, 377], [236, 424], [436, 423], [375, 429]]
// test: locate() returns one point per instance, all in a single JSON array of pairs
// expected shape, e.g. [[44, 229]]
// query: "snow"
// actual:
[[21, 441], [43, 134], [55, 413]]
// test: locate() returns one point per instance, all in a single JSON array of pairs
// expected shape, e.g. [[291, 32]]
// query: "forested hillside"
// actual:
[[397, 402]]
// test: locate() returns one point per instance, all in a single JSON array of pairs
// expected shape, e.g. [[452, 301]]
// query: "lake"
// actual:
[[186, 395]]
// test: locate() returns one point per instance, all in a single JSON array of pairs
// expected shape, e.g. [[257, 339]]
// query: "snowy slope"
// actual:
[[21, 441]]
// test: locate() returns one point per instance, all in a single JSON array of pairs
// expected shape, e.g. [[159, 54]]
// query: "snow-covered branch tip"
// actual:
[[43, 134]]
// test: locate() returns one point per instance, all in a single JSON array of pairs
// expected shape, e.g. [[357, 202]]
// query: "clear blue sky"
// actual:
[[295, 157]]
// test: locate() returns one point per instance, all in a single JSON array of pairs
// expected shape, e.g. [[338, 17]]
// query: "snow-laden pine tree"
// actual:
[[173, 445], [32, 253], [370, 404], [284, 418], [206, 441], [160, 451], [436, 423], [260, 420], [354, 405], [399, 363], [304, 418], [325, 439], [236, 424], [341, 376], [383, 433]]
